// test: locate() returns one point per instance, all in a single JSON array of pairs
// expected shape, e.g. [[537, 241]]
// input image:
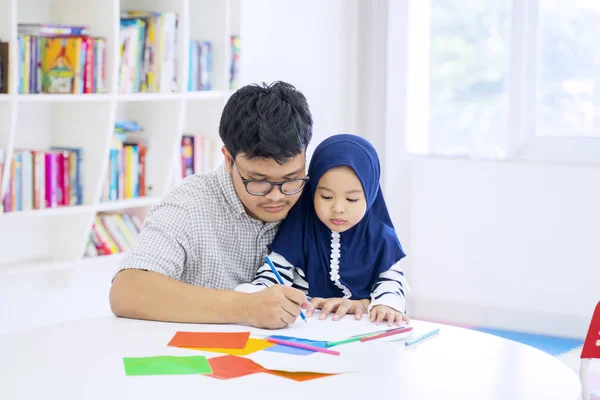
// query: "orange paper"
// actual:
[[224, 340], [297, 376], [227, 367], [252, 346]]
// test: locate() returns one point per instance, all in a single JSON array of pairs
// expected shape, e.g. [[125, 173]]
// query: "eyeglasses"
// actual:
[[263, 187]]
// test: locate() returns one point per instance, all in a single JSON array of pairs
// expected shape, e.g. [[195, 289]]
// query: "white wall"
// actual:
[[310, 45], [506, 244], [37, 297]]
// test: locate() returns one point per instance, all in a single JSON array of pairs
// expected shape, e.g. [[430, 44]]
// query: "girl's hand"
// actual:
[[339, 306], [381, 312]]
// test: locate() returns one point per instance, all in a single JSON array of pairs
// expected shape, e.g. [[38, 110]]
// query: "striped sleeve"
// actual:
[[265, 278], [390, 289]]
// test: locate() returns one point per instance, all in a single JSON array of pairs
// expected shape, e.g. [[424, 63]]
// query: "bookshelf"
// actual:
[[41, 238]]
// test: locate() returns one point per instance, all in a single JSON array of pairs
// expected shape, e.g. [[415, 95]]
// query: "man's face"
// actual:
[[275, 205]]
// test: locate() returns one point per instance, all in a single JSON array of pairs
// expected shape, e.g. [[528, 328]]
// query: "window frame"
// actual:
[[521, 141]]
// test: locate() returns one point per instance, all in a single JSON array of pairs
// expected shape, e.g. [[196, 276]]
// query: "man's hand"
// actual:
[[276, 307], [339, 306]]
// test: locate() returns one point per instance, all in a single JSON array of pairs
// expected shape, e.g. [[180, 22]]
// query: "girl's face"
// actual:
[[340, 201]]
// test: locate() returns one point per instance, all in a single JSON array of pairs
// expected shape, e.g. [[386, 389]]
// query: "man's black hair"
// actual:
[[266, 121]]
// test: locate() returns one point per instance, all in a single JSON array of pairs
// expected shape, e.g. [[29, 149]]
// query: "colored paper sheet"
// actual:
[[229, 366], [279, 348], [166, 365], [298, 376], [352, 358], [223, 340], [253, 345]]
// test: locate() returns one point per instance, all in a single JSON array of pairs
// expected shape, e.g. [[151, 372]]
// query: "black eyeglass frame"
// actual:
[[279, 184]]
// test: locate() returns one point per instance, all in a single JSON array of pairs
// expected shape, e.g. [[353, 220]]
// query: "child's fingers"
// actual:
[[316, 302], [399, 319], [390, 316], [329, 306], [343, 308], [405, 318], [358, 311], [373, 314], [380, 316]]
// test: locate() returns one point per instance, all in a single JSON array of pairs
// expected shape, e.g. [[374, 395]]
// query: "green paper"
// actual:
[[166, 365]]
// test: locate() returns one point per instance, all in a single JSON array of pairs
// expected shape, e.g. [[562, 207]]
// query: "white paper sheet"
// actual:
[[327, 330], [353, 358]]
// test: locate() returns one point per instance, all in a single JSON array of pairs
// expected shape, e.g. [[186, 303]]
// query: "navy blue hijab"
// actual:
[[366, 250]]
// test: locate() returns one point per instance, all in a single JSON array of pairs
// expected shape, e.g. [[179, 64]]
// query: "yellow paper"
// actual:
[[252, 345]]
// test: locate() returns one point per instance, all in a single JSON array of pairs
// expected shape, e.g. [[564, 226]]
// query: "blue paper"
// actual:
[[280, 348]]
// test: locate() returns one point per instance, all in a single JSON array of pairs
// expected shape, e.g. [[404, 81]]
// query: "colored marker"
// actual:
[[386, 334], [422, 337], [356, 338], [303, 346], [276, 273]]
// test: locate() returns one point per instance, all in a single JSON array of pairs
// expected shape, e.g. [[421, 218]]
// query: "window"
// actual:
[[504, 79], [469, 73], [568, 86]]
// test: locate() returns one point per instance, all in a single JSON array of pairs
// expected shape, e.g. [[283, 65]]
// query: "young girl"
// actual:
[[338, 241]]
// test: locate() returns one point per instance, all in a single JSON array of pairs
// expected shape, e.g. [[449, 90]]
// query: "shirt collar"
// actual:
[[226, 185]]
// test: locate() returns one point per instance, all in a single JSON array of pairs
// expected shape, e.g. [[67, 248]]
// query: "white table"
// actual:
[[82, 360]]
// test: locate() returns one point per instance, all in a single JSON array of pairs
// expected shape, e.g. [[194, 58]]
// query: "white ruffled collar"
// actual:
[[334, 265]]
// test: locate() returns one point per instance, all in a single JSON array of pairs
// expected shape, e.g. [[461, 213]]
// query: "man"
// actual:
[[210, 234]]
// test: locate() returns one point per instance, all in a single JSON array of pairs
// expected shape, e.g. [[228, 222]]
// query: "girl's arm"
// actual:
[[389, 290], [265, 278]]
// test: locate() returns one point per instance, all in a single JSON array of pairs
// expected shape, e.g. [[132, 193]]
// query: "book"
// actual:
[[50, 29], [72, 171], [234, 73], [4, 75], [148, 51], [198, 154], [126, 174], [51, 189], [1, 177], [200, 66], [61, 64], [111, 234]]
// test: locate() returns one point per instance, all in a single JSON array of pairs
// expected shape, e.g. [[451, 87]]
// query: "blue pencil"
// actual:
[[281, 280], [422, 337]]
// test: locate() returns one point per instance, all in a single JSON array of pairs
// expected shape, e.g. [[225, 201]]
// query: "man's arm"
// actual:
[[148, 286], [153, 296]]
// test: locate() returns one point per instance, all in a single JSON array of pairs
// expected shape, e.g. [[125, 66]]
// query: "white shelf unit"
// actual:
[[39, 239]]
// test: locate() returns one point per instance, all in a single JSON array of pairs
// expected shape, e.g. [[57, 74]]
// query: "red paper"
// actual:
[[296, 376], [227, 367], [223, 340]]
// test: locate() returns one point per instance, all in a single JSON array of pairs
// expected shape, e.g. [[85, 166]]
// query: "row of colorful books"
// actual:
[[60, 59], [148, 50], [199, 154], [112, 233], [66, 59], [43, 179], [200, 66], [126, 175]]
